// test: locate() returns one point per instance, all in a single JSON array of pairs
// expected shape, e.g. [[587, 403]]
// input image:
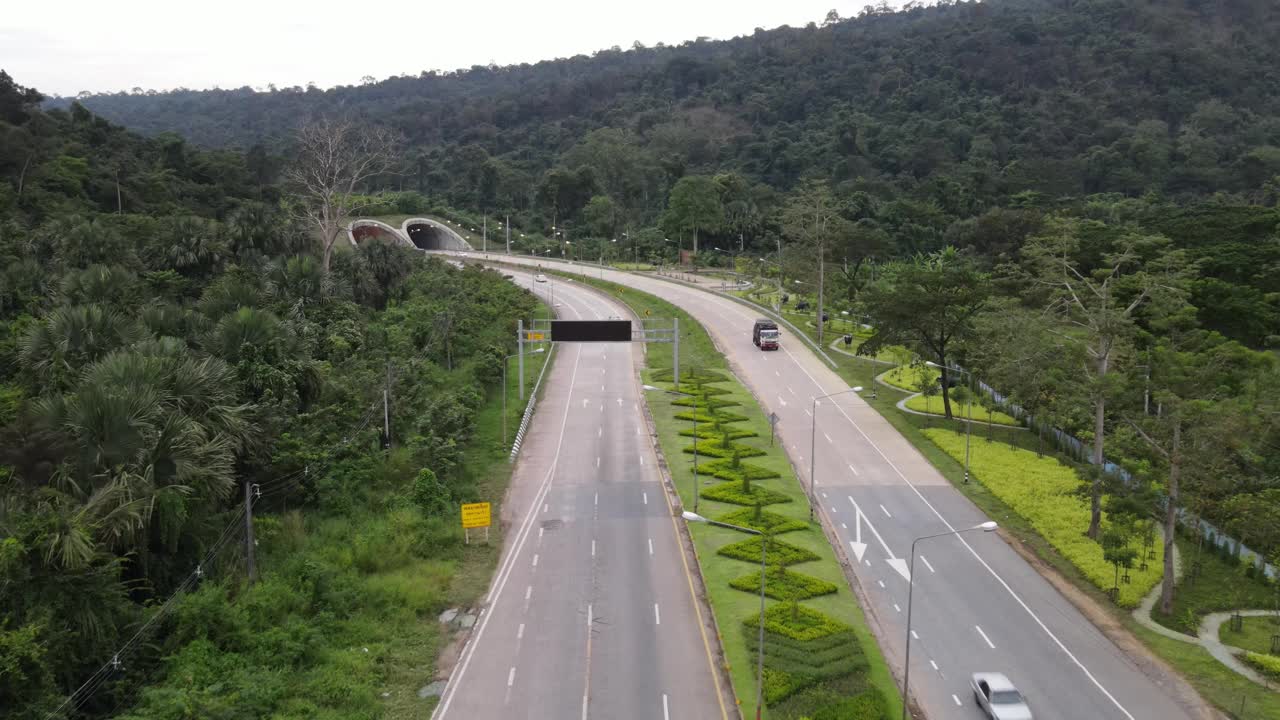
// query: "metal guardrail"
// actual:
[[528, 410]]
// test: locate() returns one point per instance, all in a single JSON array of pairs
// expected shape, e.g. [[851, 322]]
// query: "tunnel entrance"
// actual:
[[428, 237], [361, 233]]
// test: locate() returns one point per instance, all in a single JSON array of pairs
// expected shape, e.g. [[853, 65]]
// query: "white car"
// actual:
[[539, 278], [998, 698]]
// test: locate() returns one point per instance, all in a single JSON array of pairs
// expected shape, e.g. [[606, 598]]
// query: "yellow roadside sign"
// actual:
[[531, 336], [475, 515]]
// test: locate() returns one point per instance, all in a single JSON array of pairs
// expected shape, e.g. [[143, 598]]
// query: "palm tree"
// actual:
[[300, 283], [195, 247], [69, 338]]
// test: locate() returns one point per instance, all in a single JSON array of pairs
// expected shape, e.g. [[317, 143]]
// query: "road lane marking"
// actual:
[[926, 563], [585, 401], [528, 591], [784, 402], [793, 392], [593, 548], [511, 677], [934, 664], [854, 469], [646, 498], [984, 637], [540, 531], [657, 616], [520, 632], [843, 526], [828, 437], [651, 546], [881, 583], [914, 635], [824, 496], [958, 703], [598, 465], [642, 461], [807, 412], [535, 559], [597, 502], [1016, 597], [882, 508], [545, 506], [895, 607], [600, 432], [775, 372], [666, 715]]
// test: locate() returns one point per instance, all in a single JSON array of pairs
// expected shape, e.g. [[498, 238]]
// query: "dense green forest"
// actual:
[[961, 123], [167, 340]]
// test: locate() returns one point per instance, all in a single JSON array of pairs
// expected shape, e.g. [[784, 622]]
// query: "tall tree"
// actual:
[[929, 304], [1094, 279], [812, 219], [694, 206], [333, 160]]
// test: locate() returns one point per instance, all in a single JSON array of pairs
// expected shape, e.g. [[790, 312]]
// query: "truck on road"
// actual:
[[765, 334]]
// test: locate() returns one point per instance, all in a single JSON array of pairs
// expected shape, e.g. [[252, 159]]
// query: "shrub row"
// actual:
[[779, 553], [709, 432], [908, 378], [1042, 490], [731, 492], [717, 449], [1268, 665], [767, 522], [702, 417], [725, 470], [797, 621], [781, 584], [701, 403], [833, 662]]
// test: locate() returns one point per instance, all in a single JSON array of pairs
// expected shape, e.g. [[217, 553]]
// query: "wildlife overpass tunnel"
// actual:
[[426, 234]]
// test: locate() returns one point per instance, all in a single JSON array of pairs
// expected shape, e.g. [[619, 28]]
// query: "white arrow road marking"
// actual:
[[859, 547], [894, 561]]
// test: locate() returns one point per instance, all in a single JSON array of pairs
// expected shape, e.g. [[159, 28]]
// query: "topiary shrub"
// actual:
[[732, 492], [780, 553], [757, 518], [782, 584]]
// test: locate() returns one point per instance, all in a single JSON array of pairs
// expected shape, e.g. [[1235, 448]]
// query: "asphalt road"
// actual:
[[592, 612], [978, 605]]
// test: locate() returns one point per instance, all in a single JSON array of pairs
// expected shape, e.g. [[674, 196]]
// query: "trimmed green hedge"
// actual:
[[784, 584], [771, 523], [700, 403], [797, 622], [724, 417], [717, 449], [779, 685], [780, 553], [724, 470], [1042, 490], [708, 432], [867, 705], [731, 492], [688, 374], [1268, 665]]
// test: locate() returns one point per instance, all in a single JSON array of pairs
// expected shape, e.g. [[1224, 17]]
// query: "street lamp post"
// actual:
[[697, 490], [813, 443], [506, 360], [988, 526], [764, 542]]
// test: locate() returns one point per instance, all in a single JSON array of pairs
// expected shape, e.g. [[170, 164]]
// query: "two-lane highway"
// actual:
[[592, 613], [979, 606]]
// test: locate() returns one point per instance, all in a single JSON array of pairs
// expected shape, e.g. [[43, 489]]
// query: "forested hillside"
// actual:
[[169, 344], [961, 124]]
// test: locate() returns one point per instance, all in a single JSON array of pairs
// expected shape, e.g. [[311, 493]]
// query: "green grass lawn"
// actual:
[[1255, 635], [906, 377], [933, 405], [1218, 586], [1237, 696]]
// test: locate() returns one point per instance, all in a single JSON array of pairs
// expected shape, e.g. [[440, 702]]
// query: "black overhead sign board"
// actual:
[[591, 331]]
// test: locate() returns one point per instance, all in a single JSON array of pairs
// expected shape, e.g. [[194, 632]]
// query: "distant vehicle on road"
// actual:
[[539, 278], [998, 698], [765, 334]]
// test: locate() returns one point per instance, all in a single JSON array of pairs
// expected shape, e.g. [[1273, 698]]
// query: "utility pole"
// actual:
[[822, 274], [484, 233], [250, 491], [386, 409], [520, 348], [506, 222], [675, 355]]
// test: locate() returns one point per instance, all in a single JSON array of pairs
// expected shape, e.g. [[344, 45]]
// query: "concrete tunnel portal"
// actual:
[[431, 235]]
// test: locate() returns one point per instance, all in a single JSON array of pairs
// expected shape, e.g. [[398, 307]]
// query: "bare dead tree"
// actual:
[[333, 159]]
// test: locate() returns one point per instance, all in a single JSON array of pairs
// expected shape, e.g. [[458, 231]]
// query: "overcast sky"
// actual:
[[66, 46]]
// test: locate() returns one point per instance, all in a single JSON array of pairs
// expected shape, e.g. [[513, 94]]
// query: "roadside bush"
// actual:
[[779, 553], [724, 417], [1268, 665], [724, 470], [710, 433], [909, 378], [867, 705], [781, 584], [771, 523], [1042, 490], [731, 492], [797, 621], [717, 449]]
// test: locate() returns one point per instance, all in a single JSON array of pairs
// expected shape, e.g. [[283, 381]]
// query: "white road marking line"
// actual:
[[597, 462], [540, 534], [881, 583], [593, 548], [641, 461], [784, 402], [535, 559], [895, 607], [807, 412], [585, 401], [520, 632], [599, 432], [775, 372], [602, 388], [646, 498], [545, 506], [926, 563], [843, 526], [650, 546], [934, 664], [984, 637], [958, 703], [793, 392], [886, 512], [854, 469], [824, 496], [588, 616], [657, 616], [597, 499], [828, 437], [511, 677], [528, 591], [833, 509], [868, 562], [666, 715], [601, 407], [914, 635]]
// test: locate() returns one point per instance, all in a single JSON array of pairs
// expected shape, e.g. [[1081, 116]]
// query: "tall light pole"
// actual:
[[968, 425], [813, 443], [697, 490], [988, 526], [504, 392], [764, 542]]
